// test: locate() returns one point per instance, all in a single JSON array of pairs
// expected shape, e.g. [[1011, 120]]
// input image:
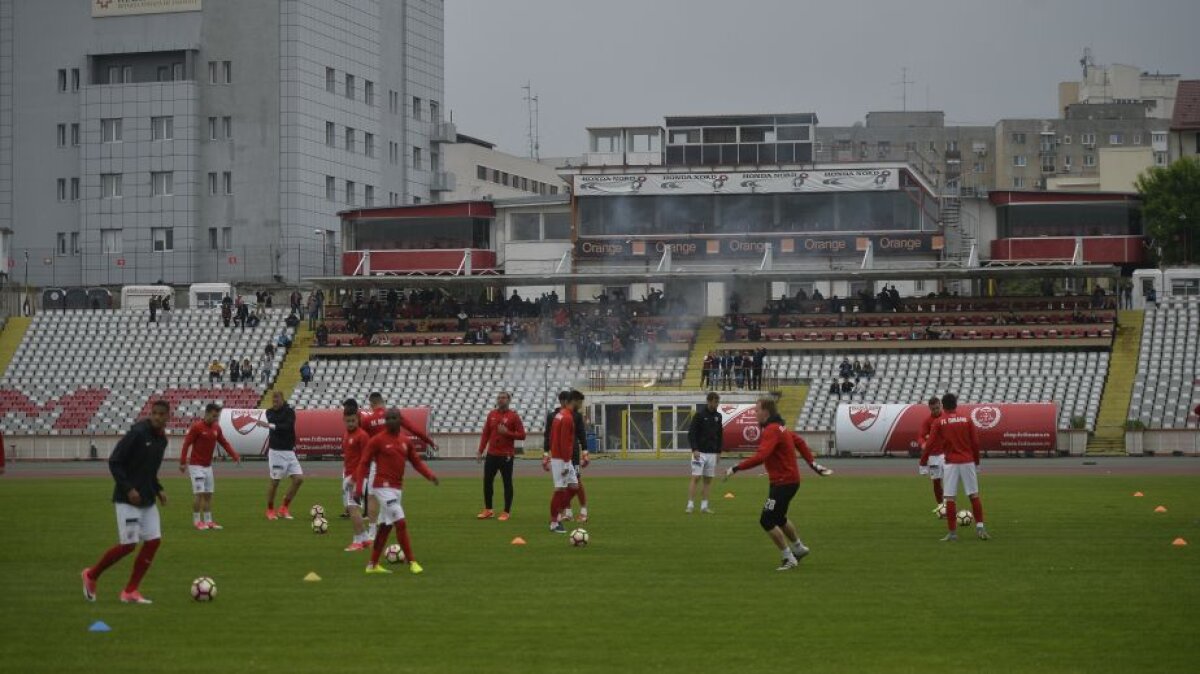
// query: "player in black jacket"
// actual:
[[705, 437], [281, 455], [134, 465]]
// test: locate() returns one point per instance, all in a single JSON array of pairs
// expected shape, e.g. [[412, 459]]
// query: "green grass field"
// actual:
[[1080, 576]]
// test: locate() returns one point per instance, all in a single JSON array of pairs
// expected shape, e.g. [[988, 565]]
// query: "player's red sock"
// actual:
[[381, 536], [557, 504], [142, 564], [951, 515], [287, 501], [111, 556], [977, 508], [937, 490], [581, 495], [402, 539]]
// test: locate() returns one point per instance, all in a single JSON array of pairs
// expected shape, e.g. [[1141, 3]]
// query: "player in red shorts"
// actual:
[[202, 439], [777, 451], [957, 432], [502, 428], [933, 454], [354, 442], [391, 450], [562, 449]]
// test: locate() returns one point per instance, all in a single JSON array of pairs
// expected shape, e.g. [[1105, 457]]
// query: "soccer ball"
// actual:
[[320, 525], [941, 511], [579, 538], [204, 589], [316, 511], [394, 554], [965, 518]]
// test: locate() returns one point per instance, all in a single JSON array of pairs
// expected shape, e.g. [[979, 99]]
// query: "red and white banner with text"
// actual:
[[740, 425], [317, 431], [1002, 427]]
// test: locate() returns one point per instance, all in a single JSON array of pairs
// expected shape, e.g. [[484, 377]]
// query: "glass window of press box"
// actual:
[[420, 233], [1076, 219], [754, 213]]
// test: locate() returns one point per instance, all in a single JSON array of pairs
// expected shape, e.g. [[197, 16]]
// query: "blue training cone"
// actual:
[[99, 626]]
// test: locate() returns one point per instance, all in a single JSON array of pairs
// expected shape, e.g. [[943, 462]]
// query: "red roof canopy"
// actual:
[[1187, 106]]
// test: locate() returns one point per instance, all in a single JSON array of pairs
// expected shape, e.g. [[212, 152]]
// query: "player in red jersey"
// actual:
[[374, 421], [961, 442], [933, 454], [777, 451], [354, 442], [562, 449], [502, 428], [391, 450], [202, 439]]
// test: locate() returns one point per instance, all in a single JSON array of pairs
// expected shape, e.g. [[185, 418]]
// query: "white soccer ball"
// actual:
[[965, 518], [941, 511], [580, 538], [394, 554], [316, 511], [320, 525], [204, 589]]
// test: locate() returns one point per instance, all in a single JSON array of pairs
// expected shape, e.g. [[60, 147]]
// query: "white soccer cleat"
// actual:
[[800, 552], [951, 537], [688, 510], [787, 564], [982, 532]]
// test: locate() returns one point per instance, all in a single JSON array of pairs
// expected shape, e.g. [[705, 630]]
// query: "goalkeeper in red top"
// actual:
[[202, 440], [391, 450], [502, 428], [957, 431], [933, 452], [777, 450], [354, 442], [562, 450]]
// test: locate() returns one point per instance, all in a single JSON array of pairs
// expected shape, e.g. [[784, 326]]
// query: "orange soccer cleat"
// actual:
[[485, 514], [504, 517]]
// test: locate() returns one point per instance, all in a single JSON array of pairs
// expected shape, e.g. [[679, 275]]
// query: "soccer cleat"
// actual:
[[567, 516], [285, 513], [951, 537], [353, 547], [271, 514], [800, 552], [214, 526], [89, 585], [504, 517], [688, 510], [134, 597], [707, 511], [582, 518], [557, 528], [787, 564], [200, 526], [485, 514], [982, 532], [378, 568], [415, 568]]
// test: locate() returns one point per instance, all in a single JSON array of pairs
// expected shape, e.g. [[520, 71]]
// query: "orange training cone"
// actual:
[[1138, 494], [518, 541], [728, 494], [1179, 542], [1160, 509]]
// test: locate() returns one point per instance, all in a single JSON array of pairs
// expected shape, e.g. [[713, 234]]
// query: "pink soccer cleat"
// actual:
[[285, 513], [134, 597], [89, 585], [354, 547], [271, 514], [214, 526], [200, 526]]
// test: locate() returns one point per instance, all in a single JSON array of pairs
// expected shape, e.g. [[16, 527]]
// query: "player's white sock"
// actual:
[[207, 516], [583, 512], [195, 518], [787, 555], [568, 513], [704, 505], [371, 531]]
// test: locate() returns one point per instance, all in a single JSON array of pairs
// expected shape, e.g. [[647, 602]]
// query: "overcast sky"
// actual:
[[627, 62]]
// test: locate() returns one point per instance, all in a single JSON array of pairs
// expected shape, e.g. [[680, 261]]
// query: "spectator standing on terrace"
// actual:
[[322, 335], [707, 376], [312, 311], [726, 370], [835, 389], [294, 301], [306, 373], [226, 311], [760, 361]]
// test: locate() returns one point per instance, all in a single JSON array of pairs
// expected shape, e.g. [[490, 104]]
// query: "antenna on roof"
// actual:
[[532, 104], [904, 82]]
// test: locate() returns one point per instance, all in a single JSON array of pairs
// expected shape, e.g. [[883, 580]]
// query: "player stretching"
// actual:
[[202, 439], [933, 454], [374, 420], [502, 428], [281, 455], [390, 451], [778, 452], [957, 432], [579, 459], [134, 465], [562, 446], [704, 435], [354, 442]]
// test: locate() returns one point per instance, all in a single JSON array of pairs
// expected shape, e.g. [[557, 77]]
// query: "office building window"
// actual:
[[1087, 138], [349, 86], [212, 184], [330, 134], [1089, 160], [212, 128], [227, 182], [393, 152], [162, 184], [435, 111], [393, 101], [416, 108], [1158, 137], [416, 200], [418, 163], [1018, 182], [212, 72], [525, 227], [110, 130], [1160, 158], [110, 241], [163, 239], [1067, 162], [393, 198], [1018, 138], [1019, 160], [481, 173], [369, 92], [330, 80], [330, 188], [213, 242], [227, 70], [61, 189], [62, 135], [369, 195], [227, 238], [227, 127], [74, 243], [556, 226], [162, 128], [349, 139], [350, 192], [163, 74], [1116, 139], [525, 184], [1066, 139], [110, 186], [369, 144], [1137, 138], [61, 245], [74, 79], [74, 189], [952, 146], [553, 189], [177, 71], [62, 79], [75, 134]]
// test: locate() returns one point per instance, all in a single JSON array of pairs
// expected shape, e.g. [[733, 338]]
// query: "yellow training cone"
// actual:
[[1138, 494], [518, 541], [1160, 509], [312, 577], [1179, 542], [728, 494]]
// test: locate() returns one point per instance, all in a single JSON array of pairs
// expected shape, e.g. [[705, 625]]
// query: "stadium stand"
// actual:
[[82, 372], [1165, 390], [1073, 379]]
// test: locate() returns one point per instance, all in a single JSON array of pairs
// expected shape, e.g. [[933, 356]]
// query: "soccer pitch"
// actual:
[[1080, 576]]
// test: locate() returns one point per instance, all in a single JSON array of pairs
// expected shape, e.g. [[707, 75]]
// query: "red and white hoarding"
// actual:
[[740, 425], [1002, 427], [317, 431]]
